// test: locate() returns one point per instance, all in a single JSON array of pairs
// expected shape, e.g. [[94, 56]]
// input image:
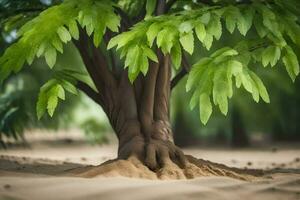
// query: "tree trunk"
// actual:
[[139, 112], [239, 137], [139, 115]]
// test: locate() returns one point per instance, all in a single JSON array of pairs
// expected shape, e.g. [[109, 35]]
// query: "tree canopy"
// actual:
[[274, 27]]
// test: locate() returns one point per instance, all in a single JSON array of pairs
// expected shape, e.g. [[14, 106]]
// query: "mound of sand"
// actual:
[[133, 168]]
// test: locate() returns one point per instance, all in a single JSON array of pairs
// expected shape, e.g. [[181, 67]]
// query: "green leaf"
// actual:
[[260, 28], [231, 14], [205, 108], [41, 49], [261, 87], [144, 64], [133, 60], [220, 89], [196, 72], [187, 42], [73, 29], [41, 105], [152, 32], [64, 34], [244, 21], [223, 52], [200, 32], [271, 55], [69, 87], [112, 21], [57, 44], [61, 92], [291, 62], [205, 18], [214, 27], [52, 104], [176, 55], [185, 27], [120, 40], [246, 81], [50, 56], [207, 43], [230, 24], [150, 54]]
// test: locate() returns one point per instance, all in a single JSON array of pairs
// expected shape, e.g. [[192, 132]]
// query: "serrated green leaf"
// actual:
[[214, 27], [231, 14], [270, 55], [220, 89], [244, 21], [61, 92], [255, 90], [196, 72], [41, 105], [246, 81], [176, 55], [57, 44], [291, 62], [260, 28], [200, 32], [205, 18], [144, 64], [52, 104], [187, 42], [73, 29], [223, 52], [230, 24], [112, 22], [205, 108], [207, 43], [50, 56], [64, 34], [261, 87], [41, 50], [185, 27], [69, 87], [152, 32], [150, 54]]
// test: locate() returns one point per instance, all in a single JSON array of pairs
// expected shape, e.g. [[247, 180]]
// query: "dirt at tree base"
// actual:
[[133, 168]]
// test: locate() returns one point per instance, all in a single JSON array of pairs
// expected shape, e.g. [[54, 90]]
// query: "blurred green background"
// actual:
[[247, 123]]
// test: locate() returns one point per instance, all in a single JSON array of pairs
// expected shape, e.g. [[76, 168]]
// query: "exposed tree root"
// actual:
[[134, 168]]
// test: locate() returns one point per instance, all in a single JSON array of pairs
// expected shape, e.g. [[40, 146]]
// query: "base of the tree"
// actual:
[[133, 168]]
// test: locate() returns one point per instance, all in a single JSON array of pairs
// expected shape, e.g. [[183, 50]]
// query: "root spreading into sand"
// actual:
[[133, 168]]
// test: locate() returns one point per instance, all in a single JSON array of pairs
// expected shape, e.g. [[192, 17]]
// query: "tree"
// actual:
[[153, 36]]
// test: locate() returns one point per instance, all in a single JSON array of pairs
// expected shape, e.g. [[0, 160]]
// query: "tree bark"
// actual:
[[139, 112]]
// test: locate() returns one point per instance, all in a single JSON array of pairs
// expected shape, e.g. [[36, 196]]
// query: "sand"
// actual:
[[73, 172]]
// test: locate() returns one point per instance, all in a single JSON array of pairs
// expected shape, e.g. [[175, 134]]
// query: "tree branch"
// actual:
[[160, 7], [163, 89], [95, 62], [177, 78], [86, 89], [125, 19]]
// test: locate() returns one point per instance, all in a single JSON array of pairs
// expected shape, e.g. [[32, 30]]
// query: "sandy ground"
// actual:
[[37, 173]]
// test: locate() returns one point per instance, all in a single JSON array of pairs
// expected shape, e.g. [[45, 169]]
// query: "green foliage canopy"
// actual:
[[275, 24]]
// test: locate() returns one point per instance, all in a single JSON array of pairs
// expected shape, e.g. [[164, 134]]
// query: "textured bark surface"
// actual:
[[139, 112]]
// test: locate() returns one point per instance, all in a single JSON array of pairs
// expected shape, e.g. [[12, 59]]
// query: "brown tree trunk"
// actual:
[[143, 126]]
